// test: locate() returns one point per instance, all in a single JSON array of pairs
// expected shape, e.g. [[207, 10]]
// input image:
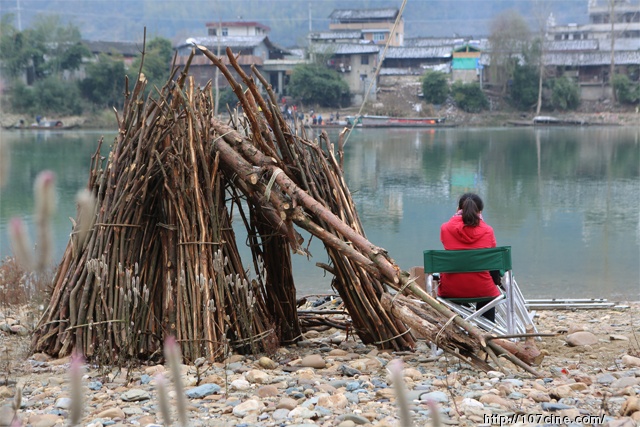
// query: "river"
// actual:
[[567, 199]]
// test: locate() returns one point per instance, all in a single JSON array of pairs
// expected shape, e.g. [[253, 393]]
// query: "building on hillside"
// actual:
[[626, 22], [353, 44], [465, 64], [251, 45], [375, 25], [236, 29], [128, 51], [356, 62], [588, 62], [585, 52]]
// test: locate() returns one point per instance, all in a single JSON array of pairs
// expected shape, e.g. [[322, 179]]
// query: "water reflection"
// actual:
[[566, 199]]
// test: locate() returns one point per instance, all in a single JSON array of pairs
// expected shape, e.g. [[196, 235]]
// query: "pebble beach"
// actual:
[[590, 376]]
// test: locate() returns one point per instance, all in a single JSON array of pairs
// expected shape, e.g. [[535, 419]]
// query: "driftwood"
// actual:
[[162, 258]]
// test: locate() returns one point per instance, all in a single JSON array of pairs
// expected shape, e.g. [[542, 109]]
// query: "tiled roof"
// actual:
[[363, 14], [346, 48], [426, 42], [571, 45], [240, 24], [591, 58], [234, 42], [123, 48], [231, 41], [418, 52], [336, 35]]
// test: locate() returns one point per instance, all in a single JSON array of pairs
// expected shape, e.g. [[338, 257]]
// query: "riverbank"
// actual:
[[591, 369], [589, 113]]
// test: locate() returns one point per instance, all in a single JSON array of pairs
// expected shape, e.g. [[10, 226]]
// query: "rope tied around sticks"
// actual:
[[437, 340]]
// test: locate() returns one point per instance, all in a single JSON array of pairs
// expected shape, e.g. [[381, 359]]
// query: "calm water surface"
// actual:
[[566, 199]]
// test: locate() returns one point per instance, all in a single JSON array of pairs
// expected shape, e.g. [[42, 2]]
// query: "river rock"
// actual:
[[267, 363], [436, 396], [202, 391], [135, 395], [240, 385], [44, 420], [494, 399], [631, 361], [247, 407], [539, 396], [622, 422], [581, 338], [256, 376], [114, 412], [337, 401], [625, 382], [313, 361], [561, 391], [631, 405], [267, 391], [302, 412], [287, 403]]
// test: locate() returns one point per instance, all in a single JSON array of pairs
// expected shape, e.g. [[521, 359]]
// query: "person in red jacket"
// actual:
[[467, 230]]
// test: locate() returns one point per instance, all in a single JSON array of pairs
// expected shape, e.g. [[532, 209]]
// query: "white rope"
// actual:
[[267, 191], [375, 76]]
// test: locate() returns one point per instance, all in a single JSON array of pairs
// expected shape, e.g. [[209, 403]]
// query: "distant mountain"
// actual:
[[289, 20]]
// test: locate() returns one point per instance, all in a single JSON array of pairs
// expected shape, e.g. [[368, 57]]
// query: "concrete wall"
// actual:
[[595, 92]]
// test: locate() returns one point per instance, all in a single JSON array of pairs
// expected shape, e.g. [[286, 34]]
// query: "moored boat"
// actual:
[[389, 121], [44, 125]]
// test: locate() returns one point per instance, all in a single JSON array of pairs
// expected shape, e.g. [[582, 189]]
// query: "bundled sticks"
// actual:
[[162, 259]]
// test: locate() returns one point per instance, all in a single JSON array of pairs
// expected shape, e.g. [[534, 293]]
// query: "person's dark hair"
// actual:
[[471, 205]]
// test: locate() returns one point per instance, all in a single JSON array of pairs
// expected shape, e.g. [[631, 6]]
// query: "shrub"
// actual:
[[19, 287], [104, 84], [227, 98], [524, 89], [435, 87], [626, 92], [565, 94], [50, 96], [469, 97], [316, 84]]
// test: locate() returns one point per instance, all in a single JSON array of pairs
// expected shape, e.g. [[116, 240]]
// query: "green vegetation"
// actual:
[[104, 84], [157, 63], [227, 98], [565, 94], [625, 90], [318, 85], [435, 87], [42, 64], [523, 91], [469, 97]]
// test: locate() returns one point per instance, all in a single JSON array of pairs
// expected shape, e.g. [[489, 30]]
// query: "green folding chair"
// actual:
[[512, 316]]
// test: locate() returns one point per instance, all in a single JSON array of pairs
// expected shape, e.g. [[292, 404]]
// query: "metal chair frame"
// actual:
[[512, 316]]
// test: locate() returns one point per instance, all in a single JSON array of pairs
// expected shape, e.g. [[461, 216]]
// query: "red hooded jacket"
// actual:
[[454, 236]]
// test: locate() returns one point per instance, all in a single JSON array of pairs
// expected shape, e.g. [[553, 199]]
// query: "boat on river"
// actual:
[[43, 125], [549, 121], [369, 121]]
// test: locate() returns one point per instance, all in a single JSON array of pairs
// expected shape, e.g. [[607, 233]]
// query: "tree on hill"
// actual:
[[318, 85], [435, 87], [509, 39], [104, 84], [157, 63]]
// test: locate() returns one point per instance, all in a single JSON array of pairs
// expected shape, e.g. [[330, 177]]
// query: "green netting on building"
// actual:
[[465, 63]]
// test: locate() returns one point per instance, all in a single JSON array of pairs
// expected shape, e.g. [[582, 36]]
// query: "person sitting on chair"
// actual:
[[467, 230]]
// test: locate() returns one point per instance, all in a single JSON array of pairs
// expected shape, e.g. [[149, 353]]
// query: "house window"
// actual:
[[212, 31], [379, 37], [364, 59], [225, 31]]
